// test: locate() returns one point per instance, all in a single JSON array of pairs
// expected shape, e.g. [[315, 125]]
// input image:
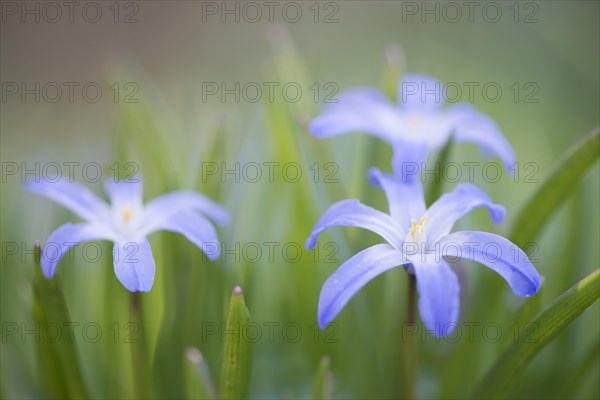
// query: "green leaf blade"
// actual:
[[323, 388], [566, 174], [237, 354], [537, 334], [199, 382], [58, 364]]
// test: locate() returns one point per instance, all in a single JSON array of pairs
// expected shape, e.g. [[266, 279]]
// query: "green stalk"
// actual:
[[436, 185], [323, 388], [537, 334], [410, 344], [139, 356]]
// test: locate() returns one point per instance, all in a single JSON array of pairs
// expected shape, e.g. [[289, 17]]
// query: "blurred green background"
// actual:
[[175, 131]]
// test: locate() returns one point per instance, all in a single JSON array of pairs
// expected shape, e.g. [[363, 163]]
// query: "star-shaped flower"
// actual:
[[127, 222], [416, 125], [419, 239]]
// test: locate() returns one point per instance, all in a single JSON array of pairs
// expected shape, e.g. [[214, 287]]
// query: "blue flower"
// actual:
[[127, 222], [415, 126], [419, 239]]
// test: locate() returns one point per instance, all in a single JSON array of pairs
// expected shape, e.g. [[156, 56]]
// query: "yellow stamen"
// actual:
[[413, 228], [420, 227], [126, 213]]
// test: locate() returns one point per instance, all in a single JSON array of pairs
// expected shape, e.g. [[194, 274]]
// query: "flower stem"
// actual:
[[139, 360], [410, 342]]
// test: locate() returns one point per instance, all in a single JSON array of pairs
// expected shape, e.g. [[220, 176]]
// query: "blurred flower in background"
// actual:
[[415, 126]]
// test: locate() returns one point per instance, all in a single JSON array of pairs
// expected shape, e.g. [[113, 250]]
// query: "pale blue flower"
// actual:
[[127, 222], [419, 239], [416, 125]]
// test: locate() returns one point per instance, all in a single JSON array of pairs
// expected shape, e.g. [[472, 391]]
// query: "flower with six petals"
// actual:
[[127, 222], [414, 126], [419, 239]]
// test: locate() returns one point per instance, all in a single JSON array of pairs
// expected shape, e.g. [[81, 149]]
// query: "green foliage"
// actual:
[[237, 353], [561, 182], [199, 381], [537, 334], [58, 366], [323, 381]]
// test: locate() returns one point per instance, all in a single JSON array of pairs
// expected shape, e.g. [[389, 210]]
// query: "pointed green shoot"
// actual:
[[199, 381], [237, 354], [324, 380]]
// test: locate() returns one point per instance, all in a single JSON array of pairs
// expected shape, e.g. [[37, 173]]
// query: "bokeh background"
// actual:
[[543, 55]]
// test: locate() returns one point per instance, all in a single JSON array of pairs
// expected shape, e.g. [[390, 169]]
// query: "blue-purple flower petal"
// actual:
[[195, 228], [408, 159], [352, 276], [164, 206], [354, 213], [496, 253], [134, 265], [66, 237], [452, 206], [438, 287], [472, 126], [73, 196], [405, 200], [124, 193], [358, 110]]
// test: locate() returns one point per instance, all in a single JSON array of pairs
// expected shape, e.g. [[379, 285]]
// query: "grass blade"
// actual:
[[59, 370], [199, 382], [538, 334], [565, 175], [395, 65], [436, 184], [324, 380], [237, 358], [581, 372]]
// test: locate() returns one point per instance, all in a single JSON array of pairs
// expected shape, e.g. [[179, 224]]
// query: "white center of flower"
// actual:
[[414, 242], [127, 219], [416, 123], [126, 214], [415, 127]]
